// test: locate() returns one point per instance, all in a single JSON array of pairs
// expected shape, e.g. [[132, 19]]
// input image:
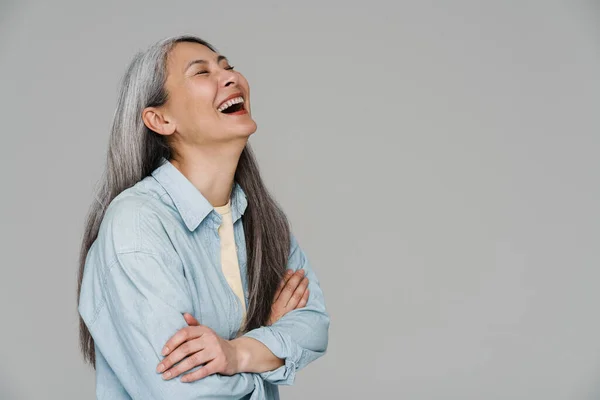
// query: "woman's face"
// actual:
[[198, 83]]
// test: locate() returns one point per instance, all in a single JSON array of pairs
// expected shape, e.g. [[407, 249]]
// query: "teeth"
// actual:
[[229, 103]]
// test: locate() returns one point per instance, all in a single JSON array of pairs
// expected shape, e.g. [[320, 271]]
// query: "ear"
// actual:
[[157, 121]]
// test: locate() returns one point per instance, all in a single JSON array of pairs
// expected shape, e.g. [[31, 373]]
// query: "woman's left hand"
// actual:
[[196, 345]]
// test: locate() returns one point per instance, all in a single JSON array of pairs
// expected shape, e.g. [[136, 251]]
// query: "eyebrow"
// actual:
[[219, 59]]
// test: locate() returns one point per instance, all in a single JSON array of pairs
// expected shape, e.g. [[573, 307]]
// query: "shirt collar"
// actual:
[[189, 201]]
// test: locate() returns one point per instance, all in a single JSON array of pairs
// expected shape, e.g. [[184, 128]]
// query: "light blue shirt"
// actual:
[[157, 256]]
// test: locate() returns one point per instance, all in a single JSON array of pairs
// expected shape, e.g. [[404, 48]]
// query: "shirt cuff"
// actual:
[[282, 346]]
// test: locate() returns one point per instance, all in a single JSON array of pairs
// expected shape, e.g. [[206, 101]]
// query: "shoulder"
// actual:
[[134, 221]]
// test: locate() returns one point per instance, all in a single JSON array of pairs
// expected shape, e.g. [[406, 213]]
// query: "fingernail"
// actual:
[[166, 375], [165, 350], [288, 272], [301, 272], [160, 368]]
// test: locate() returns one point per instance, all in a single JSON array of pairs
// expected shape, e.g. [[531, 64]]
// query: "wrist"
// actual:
[[242, 354]]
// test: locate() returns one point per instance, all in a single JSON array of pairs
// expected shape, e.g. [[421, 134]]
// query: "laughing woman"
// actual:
[[191, 284]]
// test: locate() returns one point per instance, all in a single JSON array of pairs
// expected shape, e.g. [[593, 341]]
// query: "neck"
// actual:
[[211, 169]]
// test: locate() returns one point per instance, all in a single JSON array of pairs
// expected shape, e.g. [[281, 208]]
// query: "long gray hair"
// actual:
[[134, 151]]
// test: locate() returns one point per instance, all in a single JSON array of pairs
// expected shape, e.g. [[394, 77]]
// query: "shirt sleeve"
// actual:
[[301, 335], [145, 296]]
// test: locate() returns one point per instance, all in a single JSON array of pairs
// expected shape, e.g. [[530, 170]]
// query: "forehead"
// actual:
[[184, 52]]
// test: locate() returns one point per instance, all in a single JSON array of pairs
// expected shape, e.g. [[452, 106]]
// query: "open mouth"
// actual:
[[234, 106]]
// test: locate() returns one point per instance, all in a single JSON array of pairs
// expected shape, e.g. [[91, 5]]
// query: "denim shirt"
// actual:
[[157, 255]]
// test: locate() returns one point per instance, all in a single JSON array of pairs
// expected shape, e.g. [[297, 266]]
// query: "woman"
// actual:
[[183, 237]]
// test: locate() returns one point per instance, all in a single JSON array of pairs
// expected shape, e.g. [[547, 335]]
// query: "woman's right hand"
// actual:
[[292, 293]]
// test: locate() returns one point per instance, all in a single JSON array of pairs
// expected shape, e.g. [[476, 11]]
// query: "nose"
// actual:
[[229, 77]]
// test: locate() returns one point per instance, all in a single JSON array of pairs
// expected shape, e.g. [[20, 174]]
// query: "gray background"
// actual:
[[438, 161]]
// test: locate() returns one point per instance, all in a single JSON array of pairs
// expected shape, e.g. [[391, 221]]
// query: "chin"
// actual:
[[248, 129], [239, 129], [242, 134]]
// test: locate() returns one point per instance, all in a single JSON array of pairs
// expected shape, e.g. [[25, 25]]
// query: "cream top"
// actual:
[[229, 259]]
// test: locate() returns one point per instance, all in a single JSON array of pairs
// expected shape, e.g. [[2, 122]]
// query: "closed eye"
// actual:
[[230, 68]]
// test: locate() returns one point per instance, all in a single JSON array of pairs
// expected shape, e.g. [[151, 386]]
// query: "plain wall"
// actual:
[[438, 161]]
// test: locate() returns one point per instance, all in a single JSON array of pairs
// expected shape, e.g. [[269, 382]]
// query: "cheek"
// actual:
[[199, 103], [203, 92]]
